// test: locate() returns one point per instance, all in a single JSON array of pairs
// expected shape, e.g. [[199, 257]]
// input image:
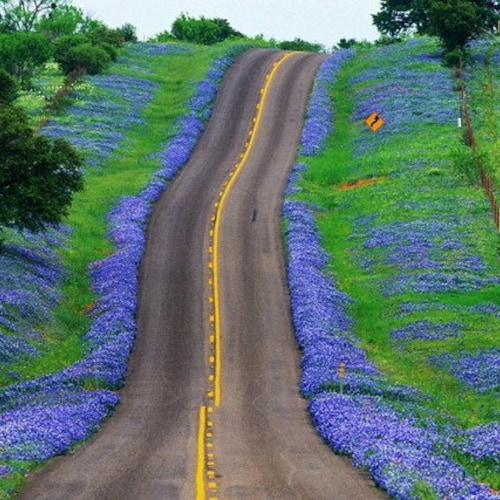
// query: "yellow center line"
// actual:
[[205, 476], [220, 208], [200, 466]]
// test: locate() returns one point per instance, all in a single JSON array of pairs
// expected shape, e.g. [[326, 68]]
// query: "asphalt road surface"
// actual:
[[258, 442]]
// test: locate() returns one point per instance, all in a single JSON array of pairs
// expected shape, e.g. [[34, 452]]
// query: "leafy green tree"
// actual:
[[8, 88], [93, 59], [345, 43], [38, 176], [23, 15], [21, 54], [202, 31], [64, 21], [74, 52], [128, 32], [62, 45], [397, 17], [163, 37], [301, 45], [456, 22], [101, 35]]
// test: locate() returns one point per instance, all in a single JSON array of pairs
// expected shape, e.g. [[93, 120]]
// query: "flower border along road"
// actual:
[[405, 455], [46, 416]]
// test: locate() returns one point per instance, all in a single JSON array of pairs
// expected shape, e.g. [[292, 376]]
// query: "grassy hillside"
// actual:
[[483, 83], [416, 280], [407, 295], [68, 297]]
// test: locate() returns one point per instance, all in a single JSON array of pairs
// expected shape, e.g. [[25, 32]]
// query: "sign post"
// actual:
[[374, 122], [341, 375]]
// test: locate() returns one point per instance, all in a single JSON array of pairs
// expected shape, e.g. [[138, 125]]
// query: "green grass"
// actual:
[[124, 173], [484, 98], [396, 188], [129, 168], [374, 314]]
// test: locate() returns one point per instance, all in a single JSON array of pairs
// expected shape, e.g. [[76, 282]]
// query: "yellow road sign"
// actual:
[[374, 121]]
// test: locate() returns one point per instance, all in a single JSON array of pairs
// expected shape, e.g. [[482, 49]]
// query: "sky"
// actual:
[[316, 21]]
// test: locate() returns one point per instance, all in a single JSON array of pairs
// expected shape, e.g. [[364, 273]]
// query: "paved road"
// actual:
[[263, 444]]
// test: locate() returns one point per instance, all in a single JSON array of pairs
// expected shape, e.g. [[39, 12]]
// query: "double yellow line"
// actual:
[[205, 471]]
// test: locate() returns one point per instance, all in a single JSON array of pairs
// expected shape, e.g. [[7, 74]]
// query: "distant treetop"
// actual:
[[455, 22], [202, 31]]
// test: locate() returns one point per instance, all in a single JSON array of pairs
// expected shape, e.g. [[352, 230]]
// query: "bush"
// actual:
[[86, 52], [454, 58], [8, 88], [301, 45], [111, 50], [38, 175], [202, 31], [101, 35], [129, 33], [92, 59], [465, 164], [163, 37], [21, 54], [64, 44]]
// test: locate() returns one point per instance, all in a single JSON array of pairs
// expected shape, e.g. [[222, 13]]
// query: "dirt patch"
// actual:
[[360, 183]]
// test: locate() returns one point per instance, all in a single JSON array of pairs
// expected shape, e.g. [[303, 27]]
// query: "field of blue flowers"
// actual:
[[405, 294], [404, 307], [47, 415]]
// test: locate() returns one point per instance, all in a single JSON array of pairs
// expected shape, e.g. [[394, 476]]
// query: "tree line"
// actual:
[[38, 176], [206, 31]]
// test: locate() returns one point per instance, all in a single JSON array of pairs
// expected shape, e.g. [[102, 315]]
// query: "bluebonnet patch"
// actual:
[[361, 413]]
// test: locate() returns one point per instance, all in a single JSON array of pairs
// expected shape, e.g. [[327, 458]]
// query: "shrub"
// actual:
[[21, 54], [128, 32], [38, 175], [64, 44], [101, 35], [91, 58], [8, 88], [465, 164], [202, 31], [301, 45]]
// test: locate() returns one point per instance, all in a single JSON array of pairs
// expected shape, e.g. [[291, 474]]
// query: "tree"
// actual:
[[38, 176], [93, 59], [397, 17], [456, 22], [401, 16], [22, 15], [21, 54], [100, 34], [129, 32], [301, 45], [64, 21], [345, 43], [202, 31], [75, 52], [8, 88]]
